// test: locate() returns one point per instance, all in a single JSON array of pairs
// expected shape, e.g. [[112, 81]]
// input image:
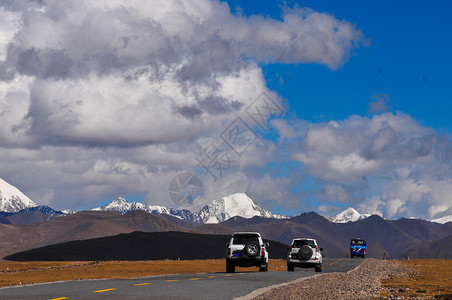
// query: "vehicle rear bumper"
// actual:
[[245, 261], [304, 263]]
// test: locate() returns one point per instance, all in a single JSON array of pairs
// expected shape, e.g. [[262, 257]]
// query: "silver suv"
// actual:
[[304, 253], [246, 249]]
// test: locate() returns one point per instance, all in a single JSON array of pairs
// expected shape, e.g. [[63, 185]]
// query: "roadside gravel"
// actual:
[[361, 283]]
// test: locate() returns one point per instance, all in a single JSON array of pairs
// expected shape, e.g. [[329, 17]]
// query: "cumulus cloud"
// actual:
[[386, 164], [100, 99]]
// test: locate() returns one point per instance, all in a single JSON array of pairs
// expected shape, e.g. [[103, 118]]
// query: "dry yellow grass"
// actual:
[[18, 273], [434, 278]]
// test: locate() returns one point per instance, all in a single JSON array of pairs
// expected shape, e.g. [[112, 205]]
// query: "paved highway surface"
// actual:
[[193, 286]]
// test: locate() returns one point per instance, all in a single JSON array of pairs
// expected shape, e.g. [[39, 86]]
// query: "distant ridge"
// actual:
[[235, 205]]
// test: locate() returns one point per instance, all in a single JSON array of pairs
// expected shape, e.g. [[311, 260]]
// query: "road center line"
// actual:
[[61, 298], [171, 280], [139, 284], [336, 261], [194, 279], [106, 290]]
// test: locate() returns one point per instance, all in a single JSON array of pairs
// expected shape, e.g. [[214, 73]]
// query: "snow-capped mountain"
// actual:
[[348, 215], [13, 200], [45, 210], [443, 220], [123, 206], [238, 204], [218, 211]]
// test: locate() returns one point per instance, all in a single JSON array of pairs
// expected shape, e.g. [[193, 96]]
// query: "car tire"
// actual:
[[318, 268], [363, 256], [305, 252], [351, 256], [230, 268], [252, 249], [290, 268]]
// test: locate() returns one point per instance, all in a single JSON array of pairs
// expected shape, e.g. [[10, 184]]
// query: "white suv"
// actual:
[[304, 253], [246, 249]]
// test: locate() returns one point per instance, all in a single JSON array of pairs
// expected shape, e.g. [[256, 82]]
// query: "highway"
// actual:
[[187, 286]]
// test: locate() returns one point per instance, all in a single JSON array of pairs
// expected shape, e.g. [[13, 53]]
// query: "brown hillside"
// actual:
[[79, 226]]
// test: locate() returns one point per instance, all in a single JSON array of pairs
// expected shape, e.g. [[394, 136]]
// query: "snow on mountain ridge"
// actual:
[[12, 199], [238, 204], [123, 206], [443, 220], [348, 215]]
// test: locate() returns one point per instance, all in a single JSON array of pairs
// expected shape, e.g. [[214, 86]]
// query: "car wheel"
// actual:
[[351, 256], [290, 268], [318, 268], [363, 256], [305, 252], [230, 268], [252, 249]]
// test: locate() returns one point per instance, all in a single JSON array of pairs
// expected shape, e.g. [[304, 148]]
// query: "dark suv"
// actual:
[[246, 249]]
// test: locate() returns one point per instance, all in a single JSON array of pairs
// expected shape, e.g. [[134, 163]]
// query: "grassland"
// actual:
[[432, 279], [19, 273]]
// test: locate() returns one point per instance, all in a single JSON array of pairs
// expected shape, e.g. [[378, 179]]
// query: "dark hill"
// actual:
[[140, 246], [439, 249]]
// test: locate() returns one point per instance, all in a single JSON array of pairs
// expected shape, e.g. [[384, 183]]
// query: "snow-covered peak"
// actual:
[[238, 204], [123, 206], [348, 215], [443, 220], [12, 199]]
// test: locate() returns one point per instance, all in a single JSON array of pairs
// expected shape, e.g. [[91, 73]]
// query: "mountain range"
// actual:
[[238, 204], [17, 208], [237, 212]]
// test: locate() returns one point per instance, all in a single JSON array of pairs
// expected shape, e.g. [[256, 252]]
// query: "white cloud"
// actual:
[[103, 98], [389, 156]]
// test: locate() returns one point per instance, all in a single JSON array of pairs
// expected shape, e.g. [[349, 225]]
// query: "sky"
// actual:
[[302, 105]]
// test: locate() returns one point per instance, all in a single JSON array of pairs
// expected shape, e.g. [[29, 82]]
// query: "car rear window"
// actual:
[[299, 243], [245, 238], [357, 242]]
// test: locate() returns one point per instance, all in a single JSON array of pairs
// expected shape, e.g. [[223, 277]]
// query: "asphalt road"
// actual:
[[193, 286]]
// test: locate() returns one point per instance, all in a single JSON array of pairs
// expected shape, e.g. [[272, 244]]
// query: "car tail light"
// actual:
[[229, 252], [263, 252], [291, 246], [364, 251]]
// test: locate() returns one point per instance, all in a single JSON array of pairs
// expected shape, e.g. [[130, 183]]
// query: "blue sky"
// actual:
[[408, 58], [99, 101]]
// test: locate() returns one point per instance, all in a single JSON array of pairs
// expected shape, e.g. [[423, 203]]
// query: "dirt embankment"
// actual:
[[376, 279]]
